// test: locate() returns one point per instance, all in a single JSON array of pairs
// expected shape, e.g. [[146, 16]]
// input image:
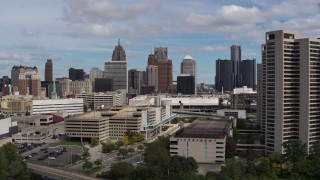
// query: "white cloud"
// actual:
[[214, 49], [11, 56]]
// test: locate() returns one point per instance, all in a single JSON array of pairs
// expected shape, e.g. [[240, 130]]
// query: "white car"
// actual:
[[50, 157]]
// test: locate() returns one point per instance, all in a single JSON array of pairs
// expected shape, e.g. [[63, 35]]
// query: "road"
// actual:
[[49, 171]]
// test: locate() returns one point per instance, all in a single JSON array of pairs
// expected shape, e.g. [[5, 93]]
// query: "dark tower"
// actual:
[[236, 60], [224, 75], [48, 70]]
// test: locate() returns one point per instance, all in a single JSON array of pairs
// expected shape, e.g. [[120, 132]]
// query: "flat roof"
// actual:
[[88, 115], [206, 128]]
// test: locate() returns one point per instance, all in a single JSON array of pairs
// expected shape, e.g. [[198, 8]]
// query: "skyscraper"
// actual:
[[236, 60], [48, 71], [76, 74], [160, 59], [135, 79], [291, 96], [16, 70], [186, 84], [152, 76], [223, 79], [95, 72], [30, 83], [189, 66], [248, 73], [117, 69]]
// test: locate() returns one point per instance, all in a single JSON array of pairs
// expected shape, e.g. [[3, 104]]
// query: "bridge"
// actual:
[[203, 114], [55, 173]]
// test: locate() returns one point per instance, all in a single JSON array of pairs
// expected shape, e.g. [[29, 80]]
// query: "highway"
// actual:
[[58, 173]]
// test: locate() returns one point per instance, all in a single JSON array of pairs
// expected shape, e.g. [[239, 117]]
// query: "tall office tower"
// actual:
[[189, 66], [152, 76], [30, 83], [95, 73], [76, 74], [236, 60], [119, 53], [248, 73], [223, 81], [16, 70], [5, 80], [292, 91], [160, 59], [103, 84], [259, 97], [135, 79], [48, 71], [186, 84], [117, 69]]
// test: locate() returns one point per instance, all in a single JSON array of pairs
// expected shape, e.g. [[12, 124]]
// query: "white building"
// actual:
[[71, 106], [243, 90], [240, 114], [7, 127]]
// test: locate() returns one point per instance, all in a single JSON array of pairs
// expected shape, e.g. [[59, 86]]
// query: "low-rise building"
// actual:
[[71, 106], [103, 100], [204, 140], [16, 104], [7, 126], [240, 114], [84, 127], [36, 134], [33, 120]]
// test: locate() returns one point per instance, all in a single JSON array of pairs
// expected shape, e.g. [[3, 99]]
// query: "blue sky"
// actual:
[[83, 33]]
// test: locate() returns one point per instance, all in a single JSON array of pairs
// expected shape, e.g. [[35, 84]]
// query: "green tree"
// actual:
[[232, 169], [27, 113], [123, 152], [87, 165], [130, 150], [231, 149], [315, 159], [157, 153], [98, 162], [235, 134], [193, 163], [119, 143], [145, 173], [250, 155], [4, 174], [140, 147], [94, 141], [108, 147], [241, 124], [120, 170], [295, 150]]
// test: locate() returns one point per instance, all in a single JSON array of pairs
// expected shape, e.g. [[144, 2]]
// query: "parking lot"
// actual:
[[57, 156]]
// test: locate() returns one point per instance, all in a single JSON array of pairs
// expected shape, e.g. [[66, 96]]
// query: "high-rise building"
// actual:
[[189, 66], [223, 79], [292, 93], [160, 59], [259, 97], [48, 72], [16, 70], [186, 84], [30, 83], [103, 84], [95, 73], [236, 60], [248, 73], [5, 80], [76, 74], [135, 79], [152, 76], [119, 53]]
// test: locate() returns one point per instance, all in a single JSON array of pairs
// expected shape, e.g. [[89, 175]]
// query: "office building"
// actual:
[[119, 53], [16, 104], [5, 80], [292, 92], [189, 66], [48, 72], [49, 86], [70, 106], [224, 75], [245, 99], [16, 70], [135, 79], [164, 65], [186, 84], [103, 84], [152, 76], [29, 83], [248, 73], [84, 127], [236, 61], [240, 114], [118, 71], [95, 73], [259, 96], [204, 140], [76, 74]]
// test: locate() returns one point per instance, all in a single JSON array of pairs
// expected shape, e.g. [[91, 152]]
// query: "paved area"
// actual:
[[61, 160], [204, 168]]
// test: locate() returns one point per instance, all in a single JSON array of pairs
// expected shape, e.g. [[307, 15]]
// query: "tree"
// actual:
[[232, 169], [235, 134], [140, 147], [241, 124], [108, 147], [87, 165], [193, 163], [130, 150], [98, 162], [295, 150], [120, 170], [27, 113], [125, 140], [231, 149], [94, 141], [119, 143], [157, 153], [315, 158], [250, 155], [123, 152], [250, 139]]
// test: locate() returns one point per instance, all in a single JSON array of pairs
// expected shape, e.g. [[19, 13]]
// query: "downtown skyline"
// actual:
[[83, 33]]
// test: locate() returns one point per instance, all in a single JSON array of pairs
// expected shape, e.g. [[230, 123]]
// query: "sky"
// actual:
[[83, 33]]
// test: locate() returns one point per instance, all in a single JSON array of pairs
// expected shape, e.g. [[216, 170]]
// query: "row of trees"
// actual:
[[159, 165], [294, 164]]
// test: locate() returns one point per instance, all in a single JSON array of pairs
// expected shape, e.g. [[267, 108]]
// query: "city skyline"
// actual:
[[82, 34]]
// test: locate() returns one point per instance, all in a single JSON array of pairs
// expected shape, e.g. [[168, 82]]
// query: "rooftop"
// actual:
[[206, 128], [89, 115]]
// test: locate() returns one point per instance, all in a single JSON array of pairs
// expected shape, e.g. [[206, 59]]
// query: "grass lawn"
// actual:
[[93, 170]]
